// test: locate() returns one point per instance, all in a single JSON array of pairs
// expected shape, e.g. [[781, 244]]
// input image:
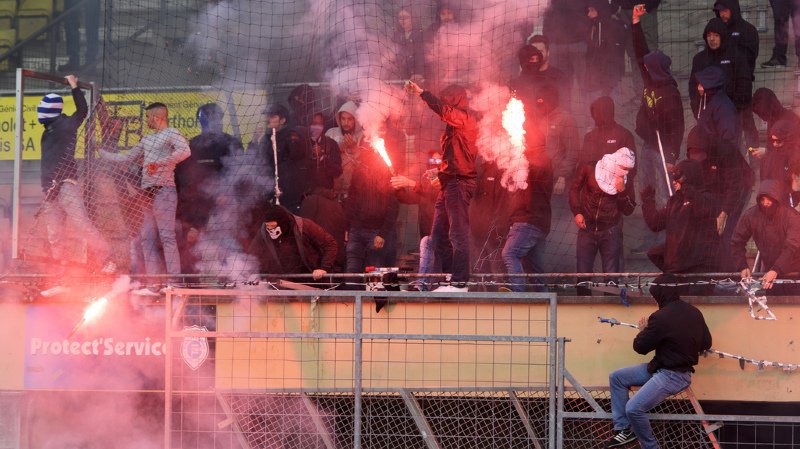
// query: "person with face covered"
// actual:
[[737, 76], [348, 135], [784, 143], [288, 244], [601, 194], [770, 109], [605, 50], [689, 219], [678, 333], [775, 229], [197, 177], [607, 136], [457, 175]]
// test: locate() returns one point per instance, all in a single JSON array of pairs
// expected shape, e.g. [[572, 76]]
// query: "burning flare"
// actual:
[[514, 123], [95, 309], [380, 147]]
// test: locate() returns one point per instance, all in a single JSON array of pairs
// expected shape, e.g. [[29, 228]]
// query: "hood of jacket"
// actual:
[[766, 104], [665, 294], [696, 140], [525, 54], [279, 214], [716, 25], [771, 188], [351, 108], [733, 5], [455, 96], [603, 112], [712, 78], [658, 65], [784, 130]]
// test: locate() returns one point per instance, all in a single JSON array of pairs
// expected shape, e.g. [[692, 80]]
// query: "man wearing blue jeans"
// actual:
[[678, 333]]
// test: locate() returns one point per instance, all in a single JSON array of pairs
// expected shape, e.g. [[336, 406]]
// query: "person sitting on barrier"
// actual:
[[677, 332], [289, 244], [59, 176]]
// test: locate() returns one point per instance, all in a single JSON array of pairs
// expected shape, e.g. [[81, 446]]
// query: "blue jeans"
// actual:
[[632, 412], [361, 251], [158, 227], [608, 243], [451, 227], [427, 261], [525, 241]]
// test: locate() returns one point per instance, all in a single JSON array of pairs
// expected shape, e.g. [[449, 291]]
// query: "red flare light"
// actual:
[[95, 310], [380, 147], [514, 123]]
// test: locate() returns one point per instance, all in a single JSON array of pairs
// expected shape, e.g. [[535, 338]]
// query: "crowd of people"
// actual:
[[334, 205]]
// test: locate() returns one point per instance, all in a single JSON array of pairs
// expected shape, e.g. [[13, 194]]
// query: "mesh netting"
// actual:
[[315, 57]]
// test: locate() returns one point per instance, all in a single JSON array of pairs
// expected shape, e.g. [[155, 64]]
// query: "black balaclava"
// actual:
[[282, 216], [455, 96], [524, 54]]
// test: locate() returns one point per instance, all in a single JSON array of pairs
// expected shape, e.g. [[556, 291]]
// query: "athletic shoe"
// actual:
[[146, 292], [773, 62], [621, 438], [504, 290], [451, 289]]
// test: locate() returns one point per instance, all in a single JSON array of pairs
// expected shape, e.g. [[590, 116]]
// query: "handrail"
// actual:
[[57, 21]]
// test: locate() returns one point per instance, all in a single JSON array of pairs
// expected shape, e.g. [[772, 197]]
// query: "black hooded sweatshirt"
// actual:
[[738, 79], [58, 144], [776, 233], [662, 108], [719, 122], [607, 136], [459, 140], [775, 164], [565, 22], [605, 50], [677, 332], [689, 219], [767, 106], [743, 35]]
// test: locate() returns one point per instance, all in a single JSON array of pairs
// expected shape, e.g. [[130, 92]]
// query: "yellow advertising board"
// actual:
[[129, 109]]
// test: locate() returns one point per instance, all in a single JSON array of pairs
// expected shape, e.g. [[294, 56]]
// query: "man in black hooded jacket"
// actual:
[[607, 136], [738, 78], [743, 35], [605, 50], [677, 332], [775, 228], [689, 219], [770, 109]]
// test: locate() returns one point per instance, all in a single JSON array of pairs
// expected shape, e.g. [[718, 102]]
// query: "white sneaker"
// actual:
[[145, 291], [109, 268], [450, 289], [53, 291]]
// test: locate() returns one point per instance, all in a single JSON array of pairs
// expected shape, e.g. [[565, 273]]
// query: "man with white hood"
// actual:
[[349, 135], [601, 193]]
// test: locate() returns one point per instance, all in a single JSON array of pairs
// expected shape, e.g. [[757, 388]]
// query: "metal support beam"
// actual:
[[419, 418], [525, 419]]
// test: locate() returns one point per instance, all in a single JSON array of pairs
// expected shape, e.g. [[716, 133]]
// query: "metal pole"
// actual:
[[664, 162], [554, 373], [15, 196], [168, 374], [275, 161], [358, 386], [560, 428]]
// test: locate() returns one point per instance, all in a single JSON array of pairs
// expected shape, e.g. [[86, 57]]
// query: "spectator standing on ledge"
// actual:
[[63, 198], [605, 52], [782, 11], [677, 332], [457, 175]]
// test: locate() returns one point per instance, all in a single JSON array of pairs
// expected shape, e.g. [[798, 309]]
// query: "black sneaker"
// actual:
[[773, 62], [621, 438]]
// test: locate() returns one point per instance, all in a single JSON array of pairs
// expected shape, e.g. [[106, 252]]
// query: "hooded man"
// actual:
[[775, 229], [743, 35], [677, 332], [661, 110], [601, 194], [348, 135], [197, 177], [737, 76], [770, 109], [784, 152], [457, 173], [607, 136], [567, 27], [717, 121], [288, 244], [605, 52], [689, 219], [59, 176], [528, 82]]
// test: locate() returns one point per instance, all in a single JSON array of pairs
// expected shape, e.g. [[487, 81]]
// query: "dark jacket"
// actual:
[[776, 234], [775, 164], [719, 122], [459, 140], [689, 219], [58, 144], [738, 79], [321, 166], [767, 106], [322, 208], [315, 248], [565, 22], [743, 35], [662, 109], [424, 195], [489, 207], [677, 332], [291, 151], [607, 136], [560, 134], [600, 210], [197, 173], [371, 203], [605, 51], [532, 205], [410, 52]]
